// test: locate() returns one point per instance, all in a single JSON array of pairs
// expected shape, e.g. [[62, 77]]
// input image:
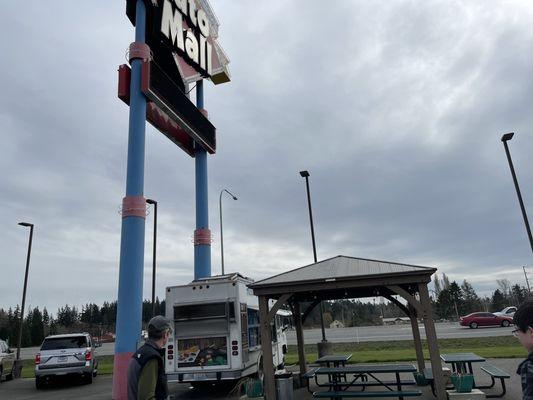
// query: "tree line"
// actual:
[[450, 300], [37, 324]]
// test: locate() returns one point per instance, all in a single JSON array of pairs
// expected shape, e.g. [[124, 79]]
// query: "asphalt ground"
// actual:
[[68, 388]]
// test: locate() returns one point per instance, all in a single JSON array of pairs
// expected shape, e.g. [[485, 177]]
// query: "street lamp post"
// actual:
[[221, 231], [305, 174], [154, 203], [505, 139], [18, 365]]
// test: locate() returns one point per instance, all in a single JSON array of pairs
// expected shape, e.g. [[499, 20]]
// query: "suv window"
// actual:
[[73, 342]]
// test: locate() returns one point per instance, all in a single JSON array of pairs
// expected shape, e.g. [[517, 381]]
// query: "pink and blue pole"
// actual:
[[129, 305], [202, 234]]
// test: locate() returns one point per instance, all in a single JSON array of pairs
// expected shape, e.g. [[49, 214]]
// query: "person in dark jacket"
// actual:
[[523, 319], [146, 371]]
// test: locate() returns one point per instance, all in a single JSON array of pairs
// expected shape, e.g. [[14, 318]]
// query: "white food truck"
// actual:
[[216, 332]]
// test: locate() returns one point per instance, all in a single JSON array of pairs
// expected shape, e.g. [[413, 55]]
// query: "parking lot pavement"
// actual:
[[72, 388], [66, 388]]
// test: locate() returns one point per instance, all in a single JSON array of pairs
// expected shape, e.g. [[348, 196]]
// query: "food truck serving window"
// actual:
[[204, 311]]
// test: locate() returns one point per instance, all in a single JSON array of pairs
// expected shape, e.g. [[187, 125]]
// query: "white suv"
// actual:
[[7, 358], [506, 312], [66, 354]]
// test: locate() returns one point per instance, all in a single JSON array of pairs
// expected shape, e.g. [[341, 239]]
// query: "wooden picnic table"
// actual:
[[339, 387]]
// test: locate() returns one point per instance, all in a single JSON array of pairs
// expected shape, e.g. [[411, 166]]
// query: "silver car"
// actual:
[[7, 358], [70, 354]]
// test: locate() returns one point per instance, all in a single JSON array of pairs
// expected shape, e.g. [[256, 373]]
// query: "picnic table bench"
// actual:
[[338, 387], [495, 373], [462, 363]]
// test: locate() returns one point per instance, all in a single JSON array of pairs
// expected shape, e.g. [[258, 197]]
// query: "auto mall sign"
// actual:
[[186, 32], [182, 37]]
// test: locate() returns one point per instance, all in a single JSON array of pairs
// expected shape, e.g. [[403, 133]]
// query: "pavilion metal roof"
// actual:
[[343, 268]]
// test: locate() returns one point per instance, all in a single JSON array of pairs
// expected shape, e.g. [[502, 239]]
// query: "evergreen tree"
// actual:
[[46, 322], [458, 299], [498, 301], [26, 330], [518, 294], [445, 306], [36, 326], [472, 302], [4, 324]]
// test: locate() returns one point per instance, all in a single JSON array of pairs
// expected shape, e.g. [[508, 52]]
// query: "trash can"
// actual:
[[284, 388]]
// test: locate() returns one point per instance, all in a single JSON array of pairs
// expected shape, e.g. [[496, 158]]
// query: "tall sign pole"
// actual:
[[129, 304], [175, 45], [202, 234]]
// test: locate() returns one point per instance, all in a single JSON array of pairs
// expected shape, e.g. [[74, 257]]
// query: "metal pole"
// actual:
[[221, 232], [527, 280], [24, 291], [306, 176], [202, 234], [311, 217], [154, 203], [515, 180], [129, 303]]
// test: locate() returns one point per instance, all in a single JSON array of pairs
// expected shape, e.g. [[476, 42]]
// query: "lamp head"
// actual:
[[150, 201], [25, 224], [507, 136], [304, 174], [235, 198]]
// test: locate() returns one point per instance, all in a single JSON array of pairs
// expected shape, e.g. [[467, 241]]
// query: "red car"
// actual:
[[485, 319]]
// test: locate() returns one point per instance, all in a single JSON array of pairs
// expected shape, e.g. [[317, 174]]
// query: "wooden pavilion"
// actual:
[[344, 277]]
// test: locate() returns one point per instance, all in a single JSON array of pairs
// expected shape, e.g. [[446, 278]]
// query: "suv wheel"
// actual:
[[88, 378], [39, 384], [473, 325], [505, 323]]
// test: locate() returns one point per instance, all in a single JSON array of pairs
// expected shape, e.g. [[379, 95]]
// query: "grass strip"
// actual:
[[403, 350]]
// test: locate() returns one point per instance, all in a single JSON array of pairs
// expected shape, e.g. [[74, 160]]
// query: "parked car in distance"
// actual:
[[485, 319], [7, 358], [69, 354], [507, 311]]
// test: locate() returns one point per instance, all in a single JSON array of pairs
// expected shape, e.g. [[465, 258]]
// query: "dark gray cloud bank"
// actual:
[[395, 107]]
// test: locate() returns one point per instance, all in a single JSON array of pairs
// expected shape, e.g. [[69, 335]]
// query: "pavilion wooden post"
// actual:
[[431, 336], [266, 346], [416, 336], [300, 338]]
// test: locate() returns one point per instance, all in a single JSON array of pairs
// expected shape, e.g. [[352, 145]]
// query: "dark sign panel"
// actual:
[[158, 117], [168, 97]]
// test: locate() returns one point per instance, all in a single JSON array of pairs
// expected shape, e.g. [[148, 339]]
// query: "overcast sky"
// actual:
[[395, 107]]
